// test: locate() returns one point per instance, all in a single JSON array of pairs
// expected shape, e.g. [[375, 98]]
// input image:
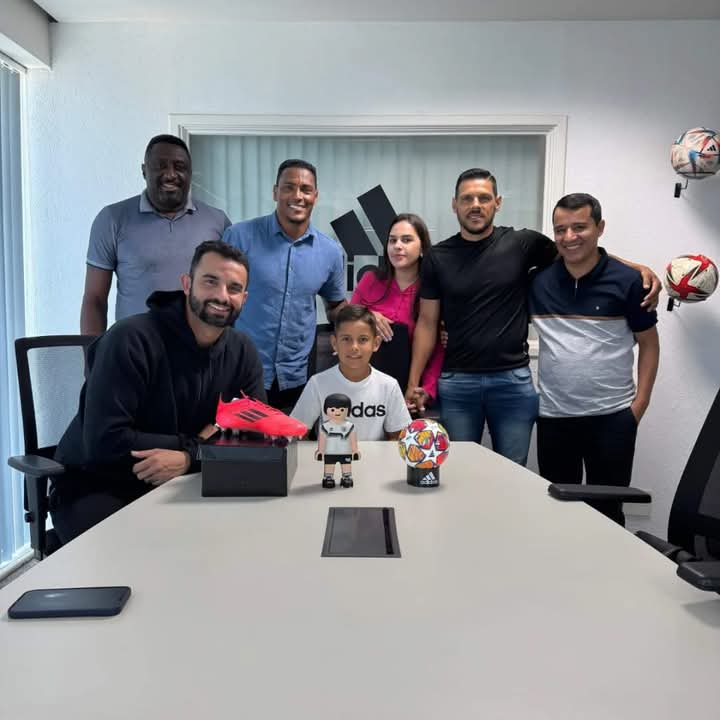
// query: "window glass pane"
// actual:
[[418, 174]]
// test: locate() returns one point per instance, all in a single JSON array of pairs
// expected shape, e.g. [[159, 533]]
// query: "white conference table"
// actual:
[[505, 604]]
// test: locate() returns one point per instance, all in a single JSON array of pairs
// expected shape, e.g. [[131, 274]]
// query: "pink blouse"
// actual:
[[397, 306]]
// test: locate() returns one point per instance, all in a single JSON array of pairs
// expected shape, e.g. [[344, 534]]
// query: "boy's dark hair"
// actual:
[[169, 140], [223, 249], [337, 400], [355, 313], [476, 174], [294, 163], [575, 201]]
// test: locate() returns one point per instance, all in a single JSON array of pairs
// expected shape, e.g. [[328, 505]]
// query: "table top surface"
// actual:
[[504, 604]]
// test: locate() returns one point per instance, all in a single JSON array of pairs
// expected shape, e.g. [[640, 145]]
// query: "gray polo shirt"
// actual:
[[146, 250]]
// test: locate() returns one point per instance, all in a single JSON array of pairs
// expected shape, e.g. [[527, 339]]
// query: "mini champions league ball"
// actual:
[[424, 445], [696, 153], [691, 278]]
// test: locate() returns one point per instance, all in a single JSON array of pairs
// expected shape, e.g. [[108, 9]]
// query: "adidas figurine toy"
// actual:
[[247, 415], [337, 441]]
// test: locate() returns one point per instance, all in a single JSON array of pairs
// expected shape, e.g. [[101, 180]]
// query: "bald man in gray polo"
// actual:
[[148, 240]]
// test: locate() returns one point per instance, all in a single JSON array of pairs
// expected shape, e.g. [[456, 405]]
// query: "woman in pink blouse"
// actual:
[[391, 291]]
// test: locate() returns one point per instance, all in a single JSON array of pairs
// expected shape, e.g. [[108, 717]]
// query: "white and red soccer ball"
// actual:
[[696, 153], [691, 278], [424, 444]]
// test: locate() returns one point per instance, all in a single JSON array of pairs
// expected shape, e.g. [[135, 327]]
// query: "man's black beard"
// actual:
[[480, 231], [162, 202], [293, 221], [200, 311]]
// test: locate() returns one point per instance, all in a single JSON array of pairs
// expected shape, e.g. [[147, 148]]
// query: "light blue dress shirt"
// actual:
[[285, 276]]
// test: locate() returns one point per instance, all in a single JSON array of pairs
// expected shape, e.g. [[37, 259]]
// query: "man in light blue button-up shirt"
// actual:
[[291, 263]]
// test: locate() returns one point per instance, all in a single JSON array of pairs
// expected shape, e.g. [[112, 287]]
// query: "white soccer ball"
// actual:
[[691, 278], [696, 153]]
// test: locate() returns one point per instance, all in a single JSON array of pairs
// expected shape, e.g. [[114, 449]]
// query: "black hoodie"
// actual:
[[150, 385]]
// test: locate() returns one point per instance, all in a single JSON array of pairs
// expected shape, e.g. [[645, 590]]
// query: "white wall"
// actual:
[[627, 88]]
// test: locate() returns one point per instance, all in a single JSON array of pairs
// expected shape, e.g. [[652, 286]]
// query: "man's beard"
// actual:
[[200, 310], [297, 221], [169, 201], [474, 230]]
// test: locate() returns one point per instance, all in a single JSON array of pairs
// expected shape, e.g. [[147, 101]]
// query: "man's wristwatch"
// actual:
[[191, 445]]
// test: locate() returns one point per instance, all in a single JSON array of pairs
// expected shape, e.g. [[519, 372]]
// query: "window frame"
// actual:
[[552, 127], [24, 552]]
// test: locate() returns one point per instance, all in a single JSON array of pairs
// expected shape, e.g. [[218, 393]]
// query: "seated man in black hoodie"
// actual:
[[152, 388]]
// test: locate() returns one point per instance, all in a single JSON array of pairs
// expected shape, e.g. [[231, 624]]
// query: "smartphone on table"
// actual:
[[70, 602]]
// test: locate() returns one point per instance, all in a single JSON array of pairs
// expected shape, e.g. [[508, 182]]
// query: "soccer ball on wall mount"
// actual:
[[690, 278], [695, 155]]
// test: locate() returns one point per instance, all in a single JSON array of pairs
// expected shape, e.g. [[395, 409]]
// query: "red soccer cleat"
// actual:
[[253, 416]]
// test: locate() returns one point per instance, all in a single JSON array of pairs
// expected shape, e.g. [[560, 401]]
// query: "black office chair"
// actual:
[[321, 355], [51, 372], [693, 540], [393, 357]]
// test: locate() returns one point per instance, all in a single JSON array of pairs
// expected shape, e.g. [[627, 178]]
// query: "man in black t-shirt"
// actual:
[[477, 283]]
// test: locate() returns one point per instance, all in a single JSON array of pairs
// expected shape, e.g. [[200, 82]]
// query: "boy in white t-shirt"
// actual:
[[378, 408]]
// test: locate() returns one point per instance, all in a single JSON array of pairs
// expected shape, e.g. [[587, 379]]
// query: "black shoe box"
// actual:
[[248, 465]]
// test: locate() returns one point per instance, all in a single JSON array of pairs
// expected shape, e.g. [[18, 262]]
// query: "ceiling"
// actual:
[[375, 10]]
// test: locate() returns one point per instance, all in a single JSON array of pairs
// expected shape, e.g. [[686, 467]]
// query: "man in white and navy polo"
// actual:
[[588, 315]]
